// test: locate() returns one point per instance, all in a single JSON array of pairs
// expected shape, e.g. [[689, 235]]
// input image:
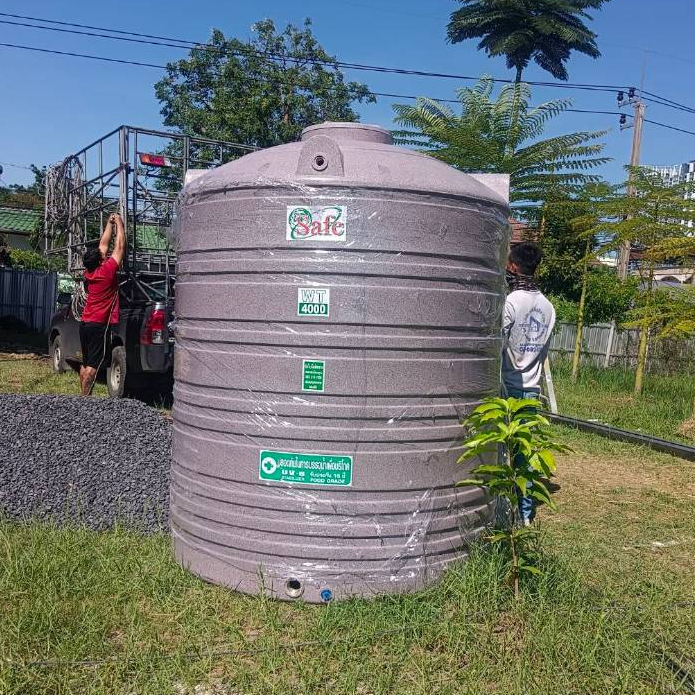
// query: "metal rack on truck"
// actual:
[[138, 173]]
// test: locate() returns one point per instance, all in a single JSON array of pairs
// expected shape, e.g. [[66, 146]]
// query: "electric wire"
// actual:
[[16, 166], [186, 44], [250, 79], [176, 43], [649, 96], [670, 127]]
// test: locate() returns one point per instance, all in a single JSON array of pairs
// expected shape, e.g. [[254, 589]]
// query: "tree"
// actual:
[[589, 202], [259, 93], [502, 136], [25, 197], [514, 428], [674, 309], [651, 218], [29, 197], [546, 31]]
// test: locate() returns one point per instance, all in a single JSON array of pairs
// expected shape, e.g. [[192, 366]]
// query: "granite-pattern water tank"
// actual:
[[338, 308]]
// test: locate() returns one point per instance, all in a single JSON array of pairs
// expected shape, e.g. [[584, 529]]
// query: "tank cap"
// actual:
[[343, 132]]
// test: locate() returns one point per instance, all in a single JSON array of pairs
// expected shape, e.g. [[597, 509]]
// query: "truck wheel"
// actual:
[[116, 373], [58, 363]]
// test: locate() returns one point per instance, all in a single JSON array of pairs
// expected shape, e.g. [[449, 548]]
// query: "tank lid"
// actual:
[[349, 131]]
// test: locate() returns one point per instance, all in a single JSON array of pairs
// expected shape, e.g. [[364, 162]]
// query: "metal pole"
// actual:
[[624, 258], [609, 347], [186, 155], [101, 184], [550, 387], [626, 246], [133, 241]]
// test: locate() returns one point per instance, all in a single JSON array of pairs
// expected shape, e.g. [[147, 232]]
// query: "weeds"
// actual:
[[606, 395], [600, 618]]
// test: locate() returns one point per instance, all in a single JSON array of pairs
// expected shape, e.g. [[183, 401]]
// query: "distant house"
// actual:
[[17, 226], [521, 232]]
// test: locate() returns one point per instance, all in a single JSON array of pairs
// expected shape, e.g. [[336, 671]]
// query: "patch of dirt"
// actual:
[[598, 475], [17, 356], [687, 428]]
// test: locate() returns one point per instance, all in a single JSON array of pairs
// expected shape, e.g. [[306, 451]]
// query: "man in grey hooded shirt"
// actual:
[[527, 325]]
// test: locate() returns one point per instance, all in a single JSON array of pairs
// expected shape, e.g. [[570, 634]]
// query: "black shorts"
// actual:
[[92, 338]]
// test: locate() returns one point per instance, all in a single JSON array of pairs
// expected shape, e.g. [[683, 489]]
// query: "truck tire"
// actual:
[[116, 374], [58, 363]]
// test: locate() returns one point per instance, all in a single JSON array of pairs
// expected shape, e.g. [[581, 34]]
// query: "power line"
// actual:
[[390, 95], [186, 44], [83, 55], [176, 43], [16, 166], [670, 127]]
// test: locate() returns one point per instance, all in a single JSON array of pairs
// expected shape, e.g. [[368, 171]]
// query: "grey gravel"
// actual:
[[94, 461]]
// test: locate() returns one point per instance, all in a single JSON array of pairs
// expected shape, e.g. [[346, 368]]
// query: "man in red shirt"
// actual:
[[101, 310]]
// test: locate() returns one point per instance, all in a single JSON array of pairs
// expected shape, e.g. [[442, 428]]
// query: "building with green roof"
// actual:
[[17, 226]]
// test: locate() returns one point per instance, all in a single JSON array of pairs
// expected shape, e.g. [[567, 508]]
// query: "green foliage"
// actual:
[[673, 311], [503, 136], [514, 426], [568, 234], [546, 31], [560, 273], [261, 93], [31, 260], [608, 298], [25, 197], [649, 213], [565, 309]]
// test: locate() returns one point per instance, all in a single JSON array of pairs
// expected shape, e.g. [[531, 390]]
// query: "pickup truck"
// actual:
[[140, 356]]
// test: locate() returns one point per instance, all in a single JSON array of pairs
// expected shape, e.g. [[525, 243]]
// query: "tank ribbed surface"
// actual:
[[321, 377]]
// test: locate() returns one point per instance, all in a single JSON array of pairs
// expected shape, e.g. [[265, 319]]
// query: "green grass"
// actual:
[[34, 375], [606, 395], [120, 599]]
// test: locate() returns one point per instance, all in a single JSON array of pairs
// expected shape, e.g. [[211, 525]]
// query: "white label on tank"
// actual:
[[325, 223], [313, 301]]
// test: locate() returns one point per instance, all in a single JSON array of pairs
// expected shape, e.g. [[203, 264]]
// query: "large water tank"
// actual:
[[338, 308]]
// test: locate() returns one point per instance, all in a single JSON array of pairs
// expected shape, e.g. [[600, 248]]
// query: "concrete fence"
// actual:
[[28, 295], [663, 356]]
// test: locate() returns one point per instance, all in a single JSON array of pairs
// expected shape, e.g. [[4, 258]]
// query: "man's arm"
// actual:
[[106, 236], [507, 319], [119, 247]]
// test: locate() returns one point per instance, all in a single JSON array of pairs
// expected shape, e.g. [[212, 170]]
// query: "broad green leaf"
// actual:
[[471, 481], [491, 415], [498, 536], [487, 405], [492, 469], [524, 403], [531, 569]]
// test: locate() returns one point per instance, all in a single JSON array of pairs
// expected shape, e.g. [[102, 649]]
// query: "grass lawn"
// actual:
[[606, 395], [33, 374], [25, 367], [614, 612]]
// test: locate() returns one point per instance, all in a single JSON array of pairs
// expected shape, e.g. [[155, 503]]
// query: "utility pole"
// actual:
[[638, 105], [626, 246]]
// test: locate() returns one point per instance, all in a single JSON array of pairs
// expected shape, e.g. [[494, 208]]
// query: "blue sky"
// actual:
[[52, 105]]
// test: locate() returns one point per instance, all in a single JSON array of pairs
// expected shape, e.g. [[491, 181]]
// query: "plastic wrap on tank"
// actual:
[[338, 307]]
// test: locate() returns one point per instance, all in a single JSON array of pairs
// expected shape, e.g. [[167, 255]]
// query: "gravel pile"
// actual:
[[97, 461]]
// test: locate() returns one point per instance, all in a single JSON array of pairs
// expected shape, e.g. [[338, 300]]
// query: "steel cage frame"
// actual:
[[107, 176]]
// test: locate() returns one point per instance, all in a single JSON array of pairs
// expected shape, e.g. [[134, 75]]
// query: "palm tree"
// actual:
[[546, 31], [502, 136]]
